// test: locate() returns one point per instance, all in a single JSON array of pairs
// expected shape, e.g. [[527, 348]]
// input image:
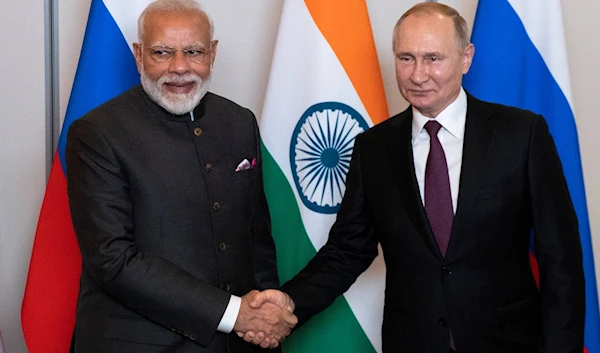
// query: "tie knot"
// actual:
[[432, 127]]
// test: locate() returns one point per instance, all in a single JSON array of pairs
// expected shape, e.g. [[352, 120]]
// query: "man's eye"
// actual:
[[162, 52], [193, 52]]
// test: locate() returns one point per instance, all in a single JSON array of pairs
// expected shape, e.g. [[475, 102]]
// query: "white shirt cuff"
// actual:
[[230, 316]]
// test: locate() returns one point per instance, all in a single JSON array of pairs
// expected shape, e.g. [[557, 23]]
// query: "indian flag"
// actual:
[[324, 89]]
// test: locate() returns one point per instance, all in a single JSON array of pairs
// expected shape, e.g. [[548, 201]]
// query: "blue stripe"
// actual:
[[508, 69], [106, 68]]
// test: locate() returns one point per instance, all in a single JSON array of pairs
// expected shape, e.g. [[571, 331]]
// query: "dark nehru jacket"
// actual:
[[167, 228]]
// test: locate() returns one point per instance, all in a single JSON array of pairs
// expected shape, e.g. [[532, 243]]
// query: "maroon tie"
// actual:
[[438, 200]]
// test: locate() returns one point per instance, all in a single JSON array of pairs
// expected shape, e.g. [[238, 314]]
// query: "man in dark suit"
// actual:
[[166, 195], [452, 189]]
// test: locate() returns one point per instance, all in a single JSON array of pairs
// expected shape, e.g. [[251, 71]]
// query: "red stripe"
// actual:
[[534, 268], [536, 274], [48, 311]]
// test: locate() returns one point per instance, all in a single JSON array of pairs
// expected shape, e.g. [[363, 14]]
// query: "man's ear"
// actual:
[[213, 51], [468, 58], [137, 53]]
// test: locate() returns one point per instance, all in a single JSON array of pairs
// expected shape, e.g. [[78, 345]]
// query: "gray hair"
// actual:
[[461, 30], [173, 6]]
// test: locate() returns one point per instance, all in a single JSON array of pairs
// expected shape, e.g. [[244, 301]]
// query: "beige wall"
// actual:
[[583, 48], [247, 31], [22, 152]]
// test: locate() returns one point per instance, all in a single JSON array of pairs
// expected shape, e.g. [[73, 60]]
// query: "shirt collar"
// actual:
[[452, 118]]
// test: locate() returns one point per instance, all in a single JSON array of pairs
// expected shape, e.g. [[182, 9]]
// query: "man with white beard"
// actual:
[[167, 201]]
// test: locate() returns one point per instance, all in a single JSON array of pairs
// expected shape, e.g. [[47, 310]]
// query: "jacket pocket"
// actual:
[[497, 187], [137, 330], [521, 320]]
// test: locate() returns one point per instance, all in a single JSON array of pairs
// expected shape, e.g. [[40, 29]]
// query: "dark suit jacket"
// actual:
[[511, 183], [166, 227]]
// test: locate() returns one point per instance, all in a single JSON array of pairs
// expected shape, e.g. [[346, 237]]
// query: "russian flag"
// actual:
[[520, 60], [106, 68]]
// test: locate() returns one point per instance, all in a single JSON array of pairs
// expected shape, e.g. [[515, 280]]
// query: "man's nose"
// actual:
[[179, 63], [420, 73]]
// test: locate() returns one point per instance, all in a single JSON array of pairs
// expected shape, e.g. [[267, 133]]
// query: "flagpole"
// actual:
[[52, 80]]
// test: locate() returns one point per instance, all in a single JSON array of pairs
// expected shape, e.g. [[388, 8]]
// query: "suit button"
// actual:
[[208, 167], [185, 334], [446, 270], [226, 287], [222, 246], [216, 206], [197, 131], [443, 322], [192, 337]]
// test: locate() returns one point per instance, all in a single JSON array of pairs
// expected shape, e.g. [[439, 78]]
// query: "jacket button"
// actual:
[[443, 322], [208, 167], [216, 206], [222, 246], [227, 287], [192, 337], [446, 270], [197, 131]]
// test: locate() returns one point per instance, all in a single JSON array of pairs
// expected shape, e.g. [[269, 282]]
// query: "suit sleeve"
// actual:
[[350, 249], [557, 247], [265, 261], [102, 214]]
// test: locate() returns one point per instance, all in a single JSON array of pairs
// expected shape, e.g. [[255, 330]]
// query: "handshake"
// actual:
[[265, 318]]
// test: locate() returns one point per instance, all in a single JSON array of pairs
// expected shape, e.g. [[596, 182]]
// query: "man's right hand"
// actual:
[[274, 296], [265, 318]]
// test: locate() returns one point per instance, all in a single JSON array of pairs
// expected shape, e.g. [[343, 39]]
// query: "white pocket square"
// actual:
[[245, 165]]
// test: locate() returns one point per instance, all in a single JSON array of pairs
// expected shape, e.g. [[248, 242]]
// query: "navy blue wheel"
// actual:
[[320, 153]]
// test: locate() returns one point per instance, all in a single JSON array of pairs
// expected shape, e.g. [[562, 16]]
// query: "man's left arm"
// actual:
[[557, 247], [263, 251], [264, 254]]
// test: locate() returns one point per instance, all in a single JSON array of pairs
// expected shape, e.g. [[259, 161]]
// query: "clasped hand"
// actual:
[[265, 318]]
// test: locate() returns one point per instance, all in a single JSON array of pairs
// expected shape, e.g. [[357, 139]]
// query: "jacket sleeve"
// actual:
[[350, 249], [102, 214], [264, 255], [557, 247]]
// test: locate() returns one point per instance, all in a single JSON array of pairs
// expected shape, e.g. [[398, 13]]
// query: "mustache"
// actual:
[[180, 79]]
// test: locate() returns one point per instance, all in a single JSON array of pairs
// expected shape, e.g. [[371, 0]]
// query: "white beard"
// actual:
[[176, 103]]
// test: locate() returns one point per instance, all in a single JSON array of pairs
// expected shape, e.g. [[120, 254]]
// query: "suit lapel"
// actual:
[[399, 147], [479, 133]]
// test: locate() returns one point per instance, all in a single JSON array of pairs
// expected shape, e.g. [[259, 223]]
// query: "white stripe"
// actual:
[[126, 14], [306, 71], [544, 25]]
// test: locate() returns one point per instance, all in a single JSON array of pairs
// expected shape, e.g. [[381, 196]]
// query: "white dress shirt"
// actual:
[[451, 136], [230, 316]]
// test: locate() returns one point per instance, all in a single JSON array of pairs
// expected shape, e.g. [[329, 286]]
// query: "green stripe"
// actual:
[[335, 329]]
